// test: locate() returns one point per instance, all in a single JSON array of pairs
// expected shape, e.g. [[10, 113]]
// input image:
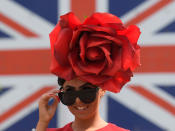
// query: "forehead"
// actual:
[[75, 83]]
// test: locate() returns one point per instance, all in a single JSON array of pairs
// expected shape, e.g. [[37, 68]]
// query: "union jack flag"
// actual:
[[147, 103]]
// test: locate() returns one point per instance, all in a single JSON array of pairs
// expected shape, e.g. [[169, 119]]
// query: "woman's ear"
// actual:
[[102, 92]]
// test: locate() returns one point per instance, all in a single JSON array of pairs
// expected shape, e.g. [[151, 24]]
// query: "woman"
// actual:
[[91, 57], [87, 117]]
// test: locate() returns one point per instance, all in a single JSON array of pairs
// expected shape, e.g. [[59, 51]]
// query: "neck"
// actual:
[[92, 122]]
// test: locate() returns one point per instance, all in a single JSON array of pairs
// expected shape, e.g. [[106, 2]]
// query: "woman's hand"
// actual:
[[46, 112]]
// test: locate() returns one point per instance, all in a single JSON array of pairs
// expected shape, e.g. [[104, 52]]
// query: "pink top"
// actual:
[[109, 127]]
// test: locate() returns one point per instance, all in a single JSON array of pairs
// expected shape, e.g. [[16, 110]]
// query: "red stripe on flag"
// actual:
[[154, 98], [12, 111], [14, 62], [153, 9], [83, 8], [157, 59], [153, 59], [19, 28]]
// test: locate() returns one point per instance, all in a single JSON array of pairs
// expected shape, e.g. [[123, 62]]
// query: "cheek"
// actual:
[[94, 105]]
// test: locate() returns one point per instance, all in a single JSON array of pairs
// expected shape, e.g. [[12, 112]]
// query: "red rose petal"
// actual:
[[61, 71], [106, 50], [83, 41], [127, 56], [54, 36], [131, 59], [94, 54], [111, 85], [69, 20], [116, 55], [114, 39], [64, 72], [92, 67], [75, 38], [136, 59], [132, 33], [73, 59], [108, 30], [127, 53], [130, 55], [116, 83], [76, 35], [90, 28], [123, 76], [96, 41], [61, 46], [116, 26], [94, 79], [101, 18]]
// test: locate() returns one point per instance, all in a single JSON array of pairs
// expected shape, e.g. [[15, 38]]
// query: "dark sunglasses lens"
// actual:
[[88, 95], [67, 98], [85, 95]]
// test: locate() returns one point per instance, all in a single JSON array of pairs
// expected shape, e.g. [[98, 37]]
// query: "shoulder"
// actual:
[[113, 127], [65, 128]]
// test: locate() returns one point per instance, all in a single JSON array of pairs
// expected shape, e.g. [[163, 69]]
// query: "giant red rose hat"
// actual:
[[100, 50]]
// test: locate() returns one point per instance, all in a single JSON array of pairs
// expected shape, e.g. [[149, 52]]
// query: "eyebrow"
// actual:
[[69, 86], [85, 85]]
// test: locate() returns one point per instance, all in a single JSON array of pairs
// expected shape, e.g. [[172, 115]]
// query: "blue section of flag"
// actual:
[[123, 117], [170, 89], [168, 28], [3, 35], [29, 122], [121, 7], [4, 90], [45, 8]]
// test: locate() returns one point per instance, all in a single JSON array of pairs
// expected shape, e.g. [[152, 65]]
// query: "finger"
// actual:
[[55, 97], [45, 99], [44, 102], [47, 96], [54, 105], [55, 91]]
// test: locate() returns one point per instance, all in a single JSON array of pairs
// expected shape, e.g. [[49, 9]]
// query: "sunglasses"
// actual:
[[86, 94]]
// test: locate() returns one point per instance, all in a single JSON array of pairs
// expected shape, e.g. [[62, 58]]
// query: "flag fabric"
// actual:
[[147, 103]]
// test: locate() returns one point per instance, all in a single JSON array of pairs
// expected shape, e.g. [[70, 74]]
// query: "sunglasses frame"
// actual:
[[85, 98]]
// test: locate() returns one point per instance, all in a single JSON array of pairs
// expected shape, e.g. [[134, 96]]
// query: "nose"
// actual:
[[77, 100]]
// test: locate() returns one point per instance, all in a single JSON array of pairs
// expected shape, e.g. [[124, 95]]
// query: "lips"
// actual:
[[81, 107]]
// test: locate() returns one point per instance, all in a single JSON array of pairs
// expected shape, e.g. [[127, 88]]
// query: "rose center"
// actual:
[[94, 54]]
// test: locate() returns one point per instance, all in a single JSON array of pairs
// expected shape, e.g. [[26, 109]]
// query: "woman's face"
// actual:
[[79, 109]]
